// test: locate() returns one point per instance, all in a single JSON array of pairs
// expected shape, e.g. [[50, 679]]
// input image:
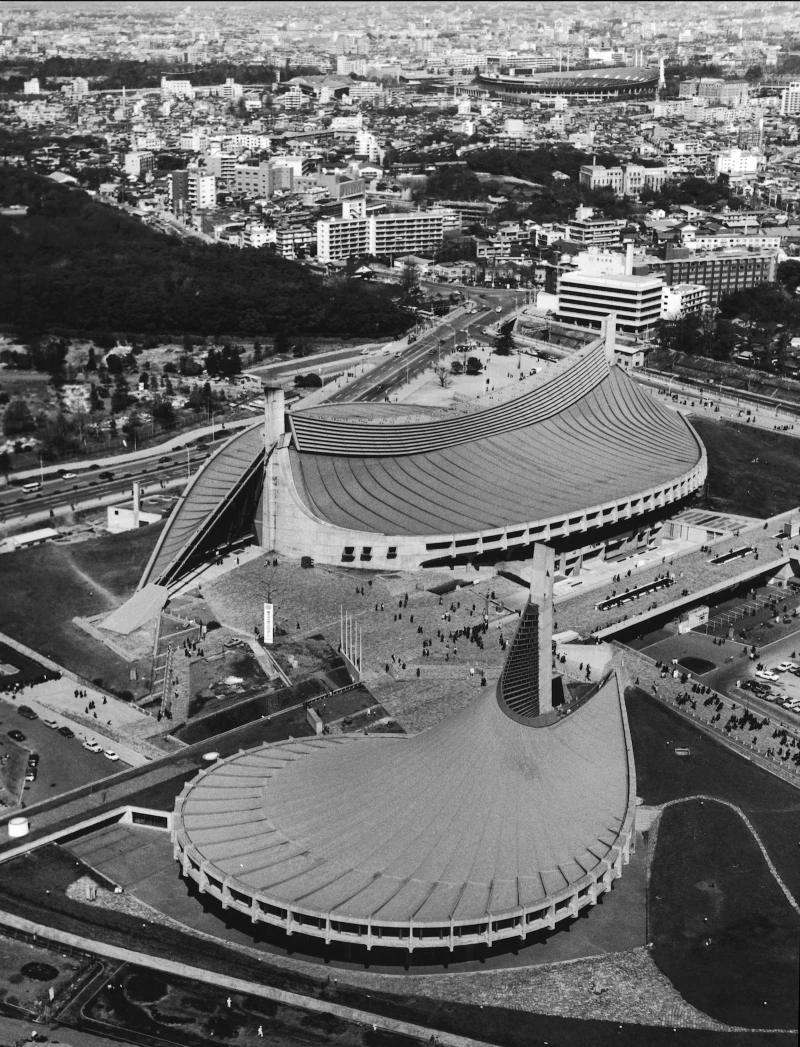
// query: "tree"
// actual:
[[789, 274], [504, 343], [409, 281], [91, 359], [18, 418], [280, 342], [48, 355], [163, 412], [258, 352], [474, 365], [133, 424], [443, 375], [120, 397], [456, 367], [5, 464]]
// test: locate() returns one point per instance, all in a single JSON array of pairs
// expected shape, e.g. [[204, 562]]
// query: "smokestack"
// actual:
[[629, 259]]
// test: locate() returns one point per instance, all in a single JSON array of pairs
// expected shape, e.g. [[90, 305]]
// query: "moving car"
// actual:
[[69, 476], [66, 732], [784, 667], [106, 475], [767, 674], [16, 736]]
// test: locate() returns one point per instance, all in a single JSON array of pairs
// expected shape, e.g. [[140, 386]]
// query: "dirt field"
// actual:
[[27, 993]]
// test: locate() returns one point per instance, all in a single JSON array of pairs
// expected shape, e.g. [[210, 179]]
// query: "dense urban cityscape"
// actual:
[[399, 523]]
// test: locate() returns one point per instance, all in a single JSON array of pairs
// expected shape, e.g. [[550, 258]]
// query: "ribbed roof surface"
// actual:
[[315, 432], [480, 814], [613, 442], [209, 488]]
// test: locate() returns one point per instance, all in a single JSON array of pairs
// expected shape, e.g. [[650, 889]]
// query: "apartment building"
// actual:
[[595, 230], [682, 299], [736, 161], [408, 232], [202, 189], [722, 273], [264, 179], [790, 99], [293, 240], [587, 299]]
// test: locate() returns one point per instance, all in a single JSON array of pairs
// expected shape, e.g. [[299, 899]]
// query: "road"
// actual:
[[402, 366], [87, 486], [64, 763]]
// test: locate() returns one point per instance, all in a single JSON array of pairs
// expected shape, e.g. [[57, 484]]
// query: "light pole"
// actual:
[[188, 474]]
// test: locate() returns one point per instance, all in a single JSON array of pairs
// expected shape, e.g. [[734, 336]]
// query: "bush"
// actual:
[[210, 626]]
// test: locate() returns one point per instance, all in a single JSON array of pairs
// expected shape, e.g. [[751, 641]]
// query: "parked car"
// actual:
[[767, 674], [30, 774], [16, 736], [93, 747], [52, 724], [784, 667], [27, 712], [110, 755], [33, 760], [66, 732]]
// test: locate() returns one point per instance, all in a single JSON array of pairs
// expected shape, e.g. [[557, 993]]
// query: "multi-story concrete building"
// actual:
[[595, 230], [587, 299], [222, 166], [408, 232], [724, 92], [293, 240], [723, 272], [264, 179], [138, 162], [627, 180], [736, 161], [682, 299], [31, 87], [202, 189], [790, 99], [176, 88]]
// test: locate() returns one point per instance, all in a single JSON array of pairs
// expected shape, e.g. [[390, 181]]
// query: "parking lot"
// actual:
[[63, 762]]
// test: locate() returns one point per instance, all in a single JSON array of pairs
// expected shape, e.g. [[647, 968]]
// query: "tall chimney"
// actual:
[[629, 259]]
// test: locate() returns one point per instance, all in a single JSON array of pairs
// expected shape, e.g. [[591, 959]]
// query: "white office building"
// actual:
[[587, 299], [790, 99], [202, 189]]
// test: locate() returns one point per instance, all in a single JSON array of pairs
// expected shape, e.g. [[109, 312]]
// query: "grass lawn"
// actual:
[[773, 806], [44, 588], [723, 932], [737, 483], [26, 987]]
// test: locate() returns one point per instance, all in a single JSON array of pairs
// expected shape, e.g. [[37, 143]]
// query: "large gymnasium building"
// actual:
[[497, 824], [515, 813], [587, 462]]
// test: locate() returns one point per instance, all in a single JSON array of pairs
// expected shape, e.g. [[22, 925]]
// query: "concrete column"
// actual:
[[135, 504], [542, 574], [609, 329], [273, 431]]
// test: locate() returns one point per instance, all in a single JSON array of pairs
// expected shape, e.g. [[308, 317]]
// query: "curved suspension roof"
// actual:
[[208, 492], [611, 441], [482, 814]]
